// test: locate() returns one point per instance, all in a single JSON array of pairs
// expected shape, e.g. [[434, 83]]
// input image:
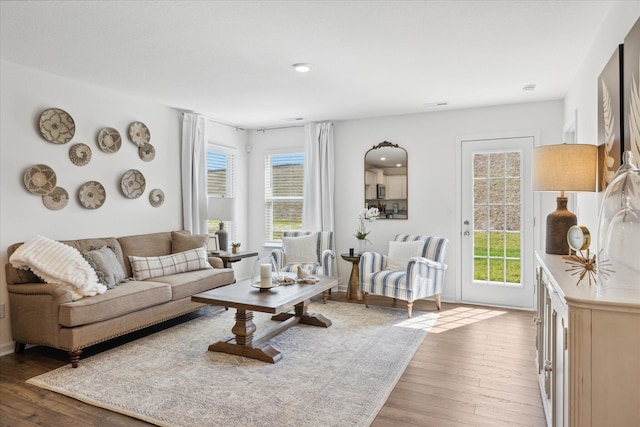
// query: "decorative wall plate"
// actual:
[[147, 152], [56, 126], [156, 197], [92, 195], [57, 199], [139, 133], [80, 154], [109, 140], [40, 179], [132, 183]]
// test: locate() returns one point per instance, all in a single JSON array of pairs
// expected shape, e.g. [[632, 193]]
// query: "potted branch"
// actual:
[[234, 247]]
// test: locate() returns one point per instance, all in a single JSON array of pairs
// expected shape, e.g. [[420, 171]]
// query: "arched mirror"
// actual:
[[385, 180]]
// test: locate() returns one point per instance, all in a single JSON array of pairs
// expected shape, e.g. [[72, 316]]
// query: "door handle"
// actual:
[[466, 233]]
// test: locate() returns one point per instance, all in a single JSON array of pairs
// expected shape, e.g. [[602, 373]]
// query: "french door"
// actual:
[[497, 222]]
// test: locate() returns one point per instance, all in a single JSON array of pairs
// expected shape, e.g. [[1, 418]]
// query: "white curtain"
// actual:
[[194, 173], [319, 178]]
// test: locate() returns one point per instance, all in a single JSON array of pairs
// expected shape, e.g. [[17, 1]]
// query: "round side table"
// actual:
[[354, 293]]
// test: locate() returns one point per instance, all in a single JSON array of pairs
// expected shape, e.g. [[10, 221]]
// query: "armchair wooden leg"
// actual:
[[394, 302], [19, 347], [366, 299], [409, 308], [438, 305], [74, 357]]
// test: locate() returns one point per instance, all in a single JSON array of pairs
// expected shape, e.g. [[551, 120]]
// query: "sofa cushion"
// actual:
[[106, 265], [126, 298], [183, 241], [189, 283], [144, 245], [149, 267]]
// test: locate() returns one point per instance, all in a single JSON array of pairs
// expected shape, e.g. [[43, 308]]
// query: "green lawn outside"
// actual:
[[493, 269], [279, 226]]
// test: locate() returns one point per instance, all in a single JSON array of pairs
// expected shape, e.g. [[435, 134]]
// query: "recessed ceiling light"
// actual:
[[529, 88], [398, 165], [383, 158], [302, 67]]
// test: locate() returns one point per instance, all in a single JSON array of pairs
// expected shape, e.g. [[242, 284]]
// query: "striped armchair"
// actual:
[[323, 262], [422, 277]]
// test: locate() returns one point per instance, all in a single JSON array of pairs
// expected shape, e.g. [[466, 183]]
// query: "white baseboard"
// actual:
[[7, 348]]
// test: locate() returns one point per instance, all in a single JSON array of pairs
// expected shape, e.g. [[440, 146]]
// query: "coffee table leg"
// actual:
[[242, 343]]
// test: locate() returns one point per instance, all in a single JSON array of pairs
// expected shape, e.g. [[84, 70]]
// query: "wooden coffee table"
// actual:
[[279, 300]]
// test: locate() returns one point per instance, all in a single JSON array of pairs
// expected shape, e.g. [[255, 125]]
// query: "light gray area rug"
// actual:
[[337, 376]]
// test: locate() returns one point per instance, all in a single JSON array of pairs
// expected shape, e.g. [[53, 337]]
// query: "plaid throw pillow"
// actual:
[[158, 266]]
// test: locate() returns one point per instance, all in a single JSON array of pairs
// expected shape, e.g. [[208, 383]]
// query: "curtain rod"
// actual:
[[236, 127], [281, 127]]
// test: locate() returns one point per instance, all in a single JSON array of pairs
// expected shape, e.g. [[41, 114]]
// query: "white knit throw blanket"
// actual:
[[59, 264]]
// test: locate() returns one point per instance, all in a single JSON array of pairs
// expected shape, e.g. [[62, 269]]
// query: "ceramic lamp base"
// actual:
[[223, 238], [558, 223]]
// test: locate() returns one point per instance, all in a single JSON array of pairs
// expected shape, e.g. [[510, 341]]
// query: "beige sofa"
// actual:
[[45, 314]]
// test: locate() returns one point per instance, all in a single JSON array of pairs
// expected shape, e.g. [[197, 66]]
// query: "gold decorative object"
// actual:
[[92, 195], [156, 197], [147, 152], [56, 126], [57, 199], [133, 183], [139, 133], [579, 239], [80, 154], [109, 140], [40, 180]]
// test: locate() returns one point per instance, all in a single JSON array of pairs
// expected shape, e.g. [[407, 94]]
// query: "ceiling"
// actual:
[[231, 60]]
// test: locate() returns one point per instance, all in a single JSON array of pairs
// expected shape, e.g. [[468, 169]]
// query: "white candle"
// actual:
[[265, 275]]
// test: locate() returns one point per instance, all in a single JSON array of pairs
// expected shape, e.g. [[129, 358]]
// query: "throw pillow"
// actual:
[[401, 252], [300, 250], [183, 241], [158, 266], [104, 262]]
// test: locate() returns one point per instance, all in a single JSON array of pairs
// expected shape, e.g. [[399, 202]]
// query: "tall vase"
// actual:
[[362, 246]]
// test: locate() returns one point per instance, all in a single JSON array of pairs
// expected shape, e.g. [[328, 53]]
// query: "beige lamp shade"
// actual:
[[565, 167], [221, 208]]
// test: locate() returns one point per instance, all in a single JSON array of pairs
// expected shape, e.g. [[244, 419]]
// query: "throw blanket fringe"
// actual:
[[59, 264]]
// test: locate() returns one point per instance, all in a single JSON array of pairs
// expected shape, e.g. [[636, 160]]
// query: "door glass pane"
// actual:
[[497, 217]]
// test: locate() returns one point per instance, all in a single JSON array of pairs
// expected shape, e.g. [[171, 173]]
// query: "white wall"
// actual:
[[430, 140], [25, 94], [583, 95]]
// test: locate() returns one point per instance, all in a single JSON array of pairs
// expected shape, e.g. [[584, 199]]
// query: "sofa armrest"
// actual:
[[34, 309], [278, 256], [328, 260], [216, 262], [370, 262], [426, 273]]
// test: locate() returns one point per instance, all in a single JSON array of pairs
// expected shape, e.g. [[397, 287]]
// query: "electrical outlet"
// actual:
[[2, 311]]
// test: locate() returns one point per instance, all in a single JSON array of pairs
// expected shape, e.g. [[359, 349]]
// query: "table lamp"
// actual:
[[563, 168], [221, 209]]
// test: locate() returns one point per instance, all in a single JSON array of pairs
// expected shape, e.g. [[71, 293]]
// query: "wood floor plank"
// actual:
[[475, 368]]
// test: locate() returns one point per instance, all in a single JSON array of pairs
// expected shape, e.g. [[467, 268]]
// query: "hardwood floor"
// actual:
[[475, 368]]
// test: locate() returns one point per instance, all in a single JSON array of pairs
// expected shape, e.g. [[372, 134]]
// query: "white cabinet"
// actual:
[[588, 351], [396, 187], [370, 180]]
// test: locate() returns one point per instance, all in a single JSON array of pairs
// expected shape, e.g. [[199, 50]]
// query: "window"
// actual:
[[220, 179], [284, 182]]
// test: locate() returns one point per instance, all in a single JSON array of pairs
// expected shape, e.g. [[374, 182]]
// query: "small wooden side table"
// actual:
[[229, 257], [354, 293]]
